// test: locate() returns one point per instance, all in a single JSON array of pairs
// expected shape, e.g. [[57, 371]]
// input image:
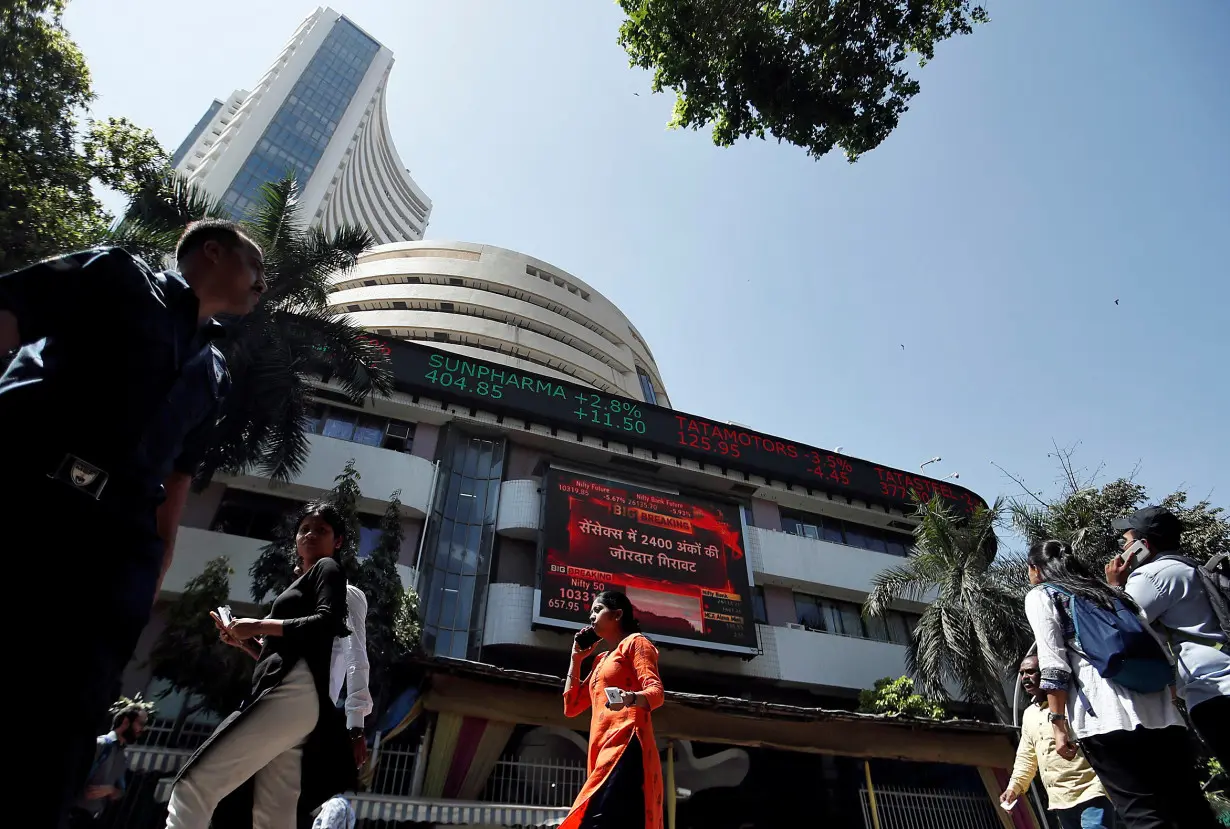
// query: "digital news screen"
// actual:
[[681, 561]]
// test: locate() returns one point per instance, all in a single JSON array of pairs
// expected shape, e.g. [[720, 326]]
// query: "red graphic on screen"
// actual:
[[681, 561]]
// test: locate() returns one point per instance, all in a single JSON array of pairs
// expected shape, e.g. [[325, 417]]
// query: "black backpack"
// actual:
[[1215, 576]]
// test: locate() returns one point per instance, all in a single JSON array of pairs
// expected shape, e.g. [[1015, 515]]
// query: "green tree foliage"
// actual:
[[409, 625], [974, 624], [123, 156], [818, 75], [897, 697], [48, 161], [292, 339], [274, 569], [392, 611], [188, 653], [1082, 512]]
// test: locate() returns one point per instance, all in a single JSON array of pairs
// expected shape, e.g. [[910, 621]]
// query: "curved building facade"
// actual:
[[502, 306], [319, 112]]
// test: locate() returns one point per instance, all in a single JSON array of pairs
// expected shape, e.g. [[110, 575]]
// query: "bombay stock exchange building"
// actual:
[[319, 112], [537, 458]]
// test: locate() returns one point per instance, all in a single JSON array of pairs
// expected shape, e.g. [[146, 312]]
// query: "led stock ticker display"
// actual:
[[681, 561], [457, 378]]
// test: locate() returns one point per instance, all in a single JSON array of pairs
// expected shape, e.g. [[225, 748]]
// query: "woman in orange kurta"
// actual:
[[624, 787]]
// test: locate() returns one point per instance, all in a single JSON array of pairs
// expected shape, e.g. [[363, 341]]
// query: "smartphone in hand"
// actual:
[[586, 638], [614, 696], [224, 613], [1134, 550]]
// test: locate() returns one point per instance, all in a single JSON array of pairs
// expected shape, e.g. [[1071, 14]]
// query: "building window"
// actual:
[[253, 514], [358, 427], [824, 528], [457, 552], [647, 392], [305, 122], [369, 535], [810, 612], [759, 613], [843, 618]]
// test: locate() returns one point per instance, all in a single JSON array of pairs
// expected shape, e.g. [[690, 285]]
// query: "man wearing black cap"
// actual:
[[1175, 599]]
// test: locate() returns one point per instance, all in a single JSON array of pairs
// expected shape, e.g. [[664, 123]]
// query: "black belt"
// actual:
[[81, 475], [83, 480]]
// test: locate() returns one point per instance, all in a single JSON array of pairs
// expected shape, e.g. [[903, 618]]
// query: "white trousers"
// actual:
[[266, 743]]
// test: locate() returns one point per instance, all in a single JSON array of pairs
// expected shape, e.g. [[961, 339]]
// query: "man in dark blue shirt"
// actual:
[[105, 414]]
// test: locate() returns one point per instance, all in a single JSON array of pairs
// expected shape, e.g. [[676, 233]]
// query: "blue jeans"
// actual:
[[1092, 814]]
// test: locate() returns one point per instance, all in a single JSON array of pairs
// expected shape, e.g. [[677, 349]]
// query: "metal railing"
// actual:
[[395, 770], [161, 733], [929, 809], [549, 783]]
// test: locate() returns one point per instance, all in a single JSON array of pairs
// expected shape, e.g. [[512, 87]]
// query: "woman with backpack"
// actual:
[[1107, 682]]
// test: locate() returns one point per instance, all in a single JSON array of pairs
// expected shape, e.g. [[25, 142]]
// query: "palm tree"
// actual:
[[974, 627], [293, 336]]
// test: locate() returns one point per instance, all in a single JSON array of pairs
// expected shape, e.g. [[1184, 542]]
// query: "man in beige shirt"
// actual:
[[1075, 793]]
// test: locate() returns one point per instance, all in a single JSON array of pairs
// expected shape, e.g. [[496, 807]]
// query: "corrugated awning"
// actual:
[[455, 812], [447, 812], [731, 722]]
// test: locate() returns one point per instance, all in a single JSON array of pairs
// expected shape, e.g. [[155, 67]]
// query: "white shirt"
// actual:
[[335, 814], [350, 665], [1172, 596], [1095, 705]]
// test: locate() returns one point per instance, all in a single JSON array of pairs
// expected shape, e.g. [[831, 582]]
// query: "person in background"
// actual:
[[337, 813], [1174, 599], [1073, 790], [624, 786], [106, 778], [1136, 742], [350, 667], [106, 412]]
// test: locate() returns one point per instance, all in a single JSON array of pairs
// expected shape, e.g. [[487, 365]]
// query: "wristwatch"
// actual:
[[1054, 718]]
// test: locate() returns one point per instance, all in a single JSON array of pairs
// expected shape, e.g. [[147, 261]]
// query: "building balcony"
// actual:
[[799, 562], [194, 548], [520, 509], [817, 659], [383, 471]]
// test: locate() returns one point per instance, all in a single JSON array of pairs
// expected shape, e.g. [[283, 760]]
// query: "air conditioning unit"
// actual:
[[796, 626]]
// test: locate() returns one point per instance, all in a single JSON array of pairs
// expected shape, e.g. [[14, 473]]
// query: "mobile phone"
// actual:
[[586, 637], [224, 613], [614, 696], [1008, 807], [1137, 549]]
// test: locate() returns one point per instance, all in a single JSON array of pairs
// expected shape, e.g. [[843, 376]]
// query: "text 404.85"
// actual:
[[448, 380]]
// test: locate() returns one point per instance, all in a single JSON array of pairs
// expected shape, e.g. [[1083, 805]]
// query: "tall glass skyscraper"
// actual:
[[319, 112]]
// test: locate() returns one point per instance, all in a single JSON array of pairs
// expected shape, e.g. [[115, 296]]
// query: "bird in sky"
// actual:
[[1116, 302], [902, 346]]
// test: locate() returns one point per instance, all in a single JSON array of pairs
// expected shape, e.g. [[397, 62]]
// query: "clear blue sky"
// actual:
[[1065, 155]]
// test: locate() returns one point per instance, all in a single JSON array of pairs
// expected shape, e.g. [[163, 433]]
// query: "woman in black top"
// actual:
[[288, 725]]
